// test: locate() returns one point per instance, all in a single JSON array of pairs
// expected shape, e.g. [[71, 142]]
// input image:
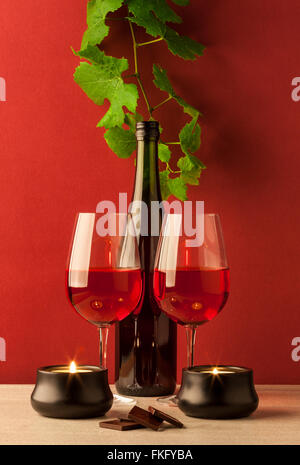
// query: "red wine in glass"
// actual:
[[110, 295], [197, 295]]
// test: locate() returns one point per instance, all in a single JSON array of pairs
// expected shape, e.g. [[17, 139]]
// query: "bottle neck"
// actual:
[[147, 185]]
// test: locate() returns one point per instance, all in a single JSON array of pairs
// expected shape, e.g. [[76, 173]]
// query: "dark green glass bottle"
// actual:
[[146, 345]]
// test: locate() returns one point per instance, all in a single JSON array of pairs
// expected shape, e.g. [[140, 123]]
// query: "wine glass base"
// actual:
[[121, 400], [136, 390], [168, 400]]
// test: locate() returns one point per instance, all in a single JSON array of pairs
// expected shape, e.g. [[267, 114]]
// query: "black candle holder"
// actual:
[[221, 392], [59, 393]]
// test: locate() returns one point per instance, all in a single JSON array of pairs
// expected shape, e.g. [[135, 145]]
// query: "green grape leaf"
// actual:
[[153, 26], [164, 153], [162, 82], [164, 184], [191, 168], [181, 2], [121, 141], [183, 46], [190, 137], [162, 11], [152, 15], [192, 177], [91, 53], [197, 162], [185, 163], [178, 187], [190, 162], [131, 120], [103, 81], [96, 14]]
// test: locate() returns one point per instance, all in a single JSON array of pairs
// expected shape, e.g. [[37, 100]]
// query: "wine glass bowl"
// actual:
[[104, 278], [191, 278]]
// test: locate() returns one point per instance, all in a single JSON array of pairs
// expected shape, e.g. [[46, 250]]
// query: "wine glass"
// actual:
[[191, 277], [104, 278]]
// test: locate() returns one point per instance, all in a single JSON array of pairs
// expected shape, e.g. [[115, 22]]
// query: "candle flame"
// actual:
[[72, 367], [215, 371]]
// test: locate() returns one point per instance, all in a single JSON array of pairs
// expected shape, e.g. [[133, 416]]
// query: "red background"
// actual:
[[54, 163]]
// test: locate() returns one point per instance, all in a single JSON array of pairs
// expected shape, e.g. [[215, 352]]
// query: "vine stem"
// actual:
[[172, 171], [141, 44], [134, 48], [136, 70], [162, 103]]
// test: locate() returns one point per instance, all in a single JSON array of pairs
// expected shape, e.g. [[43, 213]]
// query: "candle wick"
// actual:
[[73, 368]]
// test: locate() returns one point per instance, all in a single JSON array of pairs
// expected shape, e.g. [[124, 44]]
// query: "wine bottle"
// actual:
[[146, 344]]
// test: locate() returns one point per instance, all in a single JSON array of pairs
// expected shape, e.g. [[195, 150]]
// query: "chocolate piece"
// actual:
[[164, 416], [120, 424], [145, 418]]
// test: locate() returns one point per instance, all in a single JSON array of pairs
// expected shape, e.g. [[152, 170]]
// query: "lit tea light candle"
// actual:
[[71, 391], [215, 371], [72, 368], [224, 391]]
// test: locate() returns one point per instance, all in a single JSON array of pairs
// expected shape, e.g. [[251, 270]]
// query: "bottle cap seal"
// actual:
[[147, 130]]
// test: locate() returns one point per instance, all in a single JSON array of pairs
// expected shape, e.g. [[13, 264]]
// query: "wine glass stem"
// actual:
[[135, 350], [191, 337], [103, 334], [156, 348]]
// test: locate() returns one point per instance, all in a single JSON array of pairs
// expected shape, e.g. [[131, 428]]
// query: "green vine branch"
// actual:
[[162, 103], [101, 78], [137, 74], [141, 44], [172, 171]]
